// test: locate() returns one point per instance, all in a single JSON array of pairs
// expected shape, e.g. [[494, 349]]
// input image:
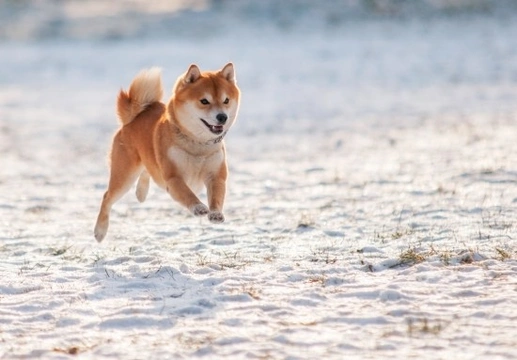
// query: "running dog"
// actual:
[[179, 144]]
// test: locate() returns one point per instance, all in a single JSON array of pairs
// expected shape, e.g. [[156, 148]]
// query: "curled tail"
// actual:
[[145, 89]]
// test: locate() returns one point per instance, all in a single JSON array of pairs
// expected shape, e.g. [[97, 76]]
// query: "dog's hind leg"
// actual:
[[125, 168], [142, 186]]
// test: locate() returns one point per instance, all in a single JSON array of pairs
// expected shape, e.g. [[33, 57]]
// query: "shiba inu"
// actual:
[[179, 144]]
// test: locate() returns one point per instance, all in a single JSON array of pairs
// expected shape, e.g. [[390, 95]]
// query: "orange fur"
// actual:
[[145, 89], [179, 145]]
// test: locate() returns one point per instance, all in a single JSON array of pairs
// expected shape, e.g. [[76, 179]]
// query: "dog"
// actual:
[[179, 144]]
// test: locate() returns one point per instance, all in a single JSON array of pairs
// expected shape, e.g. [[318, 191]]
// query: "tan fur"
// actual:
[[145, 89], [179, 145]]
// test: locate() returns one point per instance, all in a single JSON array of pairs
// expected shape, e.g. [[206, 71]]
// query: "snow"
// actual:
[[370, 210]]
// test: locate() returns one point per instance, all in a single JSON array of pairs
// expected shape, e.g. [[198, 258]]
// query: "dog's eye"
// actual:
[[204, 101], [226, 101]]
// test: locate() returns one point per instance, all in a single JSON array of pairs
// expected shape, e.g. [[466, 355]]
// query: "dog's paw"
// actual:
[[100, 232], [101, 227], [141, 193], [199, 209], [216, 217]]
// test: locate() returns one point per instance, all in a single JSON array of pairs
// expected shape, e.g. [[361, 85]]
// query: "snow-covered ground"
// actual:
[[370, 212]]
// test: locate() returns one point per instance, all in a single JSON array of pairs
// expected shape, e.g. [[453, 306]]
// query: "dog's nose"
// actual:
[[221, 118]]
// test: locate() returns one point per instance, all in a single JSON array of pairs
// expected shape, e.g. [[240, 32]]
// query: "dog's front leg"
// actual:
[[216, 191], [180, 192]]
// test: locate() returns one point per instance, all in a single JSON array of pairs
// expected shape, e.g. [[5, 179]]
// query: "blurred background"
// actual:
[[381, 59], [129, 19], [304, 67]]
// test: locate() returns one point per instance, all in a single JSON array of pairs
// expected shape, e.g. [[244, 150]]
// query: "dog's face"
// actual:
[[205, 104]]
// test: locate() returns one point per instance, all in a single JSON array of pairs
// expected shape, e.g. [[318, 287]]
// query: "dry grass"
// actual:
[[503, 254], [423, 326], [410, 256]]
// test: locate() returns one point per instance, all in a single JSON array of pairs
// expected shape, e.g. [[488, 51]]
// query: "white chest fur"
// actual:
[[193, 168]]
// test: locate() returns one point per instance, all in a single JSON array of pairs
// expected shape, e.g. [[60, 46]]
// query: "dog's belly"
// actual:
[[195, 169]]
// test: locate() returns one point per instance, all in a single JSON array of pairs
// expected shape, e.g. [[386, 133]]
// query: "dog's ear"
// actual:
[[193, 73], [228, 72]]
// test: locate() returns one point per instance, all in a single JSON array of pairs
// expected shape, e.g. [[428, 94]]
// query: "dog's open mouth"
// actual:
[[215, 129]]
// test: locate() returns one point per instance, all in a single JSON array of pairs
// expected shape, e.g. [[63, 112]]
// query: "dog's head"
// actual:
[[205, 104]]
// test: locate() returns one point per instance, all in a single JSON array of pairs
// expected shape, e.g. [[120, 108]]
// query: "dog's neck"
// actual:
[[217, 139], [189, 142]]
